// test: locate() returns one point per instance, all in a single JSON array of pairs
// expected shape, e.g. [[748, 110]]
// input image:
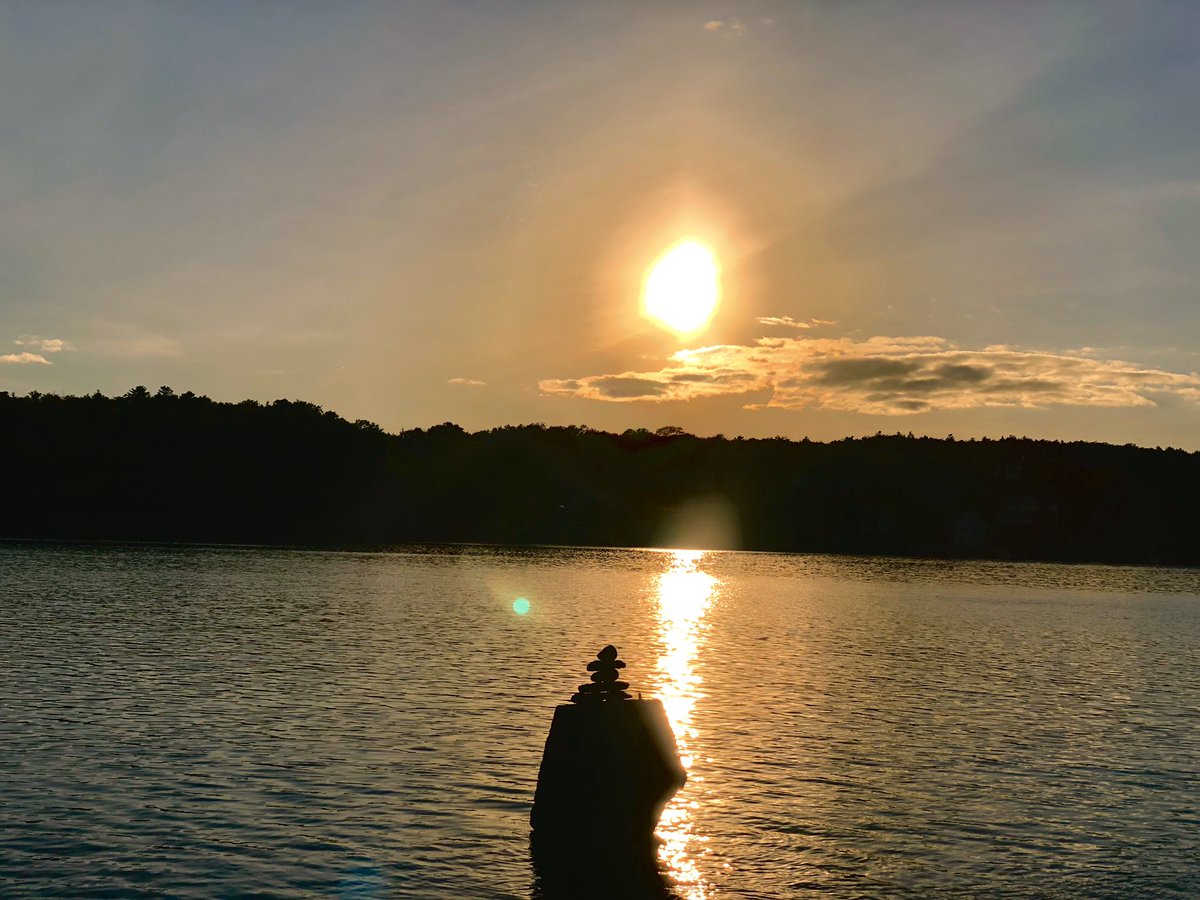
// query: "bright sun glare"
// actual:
[[682, 288]]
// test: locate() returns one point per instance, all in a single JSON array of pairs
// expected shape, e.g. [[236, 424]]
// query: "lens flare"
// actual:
[[683, 288], [520, 606]]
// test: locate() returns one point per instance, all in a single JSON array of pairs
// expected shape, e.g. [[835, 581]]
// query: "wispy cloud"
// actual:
[[17, 359], [735, 27], [789, 322], [46, 345], [470, 382], [886, 376], [136, 343]]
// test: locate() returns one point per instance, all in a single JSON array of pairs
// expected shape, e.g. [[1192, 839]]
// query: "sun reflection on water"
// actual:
[[684, 595]]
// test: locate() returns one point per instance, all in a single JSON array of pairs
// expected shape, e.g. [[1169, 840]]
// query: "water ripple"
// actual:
[[212, 721]]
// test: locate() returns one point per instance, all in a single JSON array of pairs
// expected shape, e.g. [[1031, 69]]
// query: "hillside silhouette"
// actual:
[[180, 467]]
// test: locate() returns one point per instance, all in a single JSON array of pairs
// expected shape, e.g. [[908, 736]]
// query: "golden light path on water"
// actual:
[[684, 596]]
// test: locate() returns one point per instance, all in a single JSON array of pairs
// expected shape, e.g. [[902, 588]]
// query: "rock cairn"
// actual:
[[605, 669]]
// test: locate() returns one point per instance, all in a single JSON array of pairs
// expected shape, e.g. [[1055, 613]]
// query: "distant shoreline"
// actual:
[[184, 470], [401, 549]]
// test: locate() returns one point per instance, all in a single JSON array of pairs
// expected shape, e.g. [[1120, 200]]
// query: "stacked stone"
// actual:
[[605, 669]]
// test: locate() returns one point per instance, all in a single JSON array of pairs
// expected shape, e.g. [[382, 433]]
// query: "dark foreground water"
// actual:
[[217, 722]]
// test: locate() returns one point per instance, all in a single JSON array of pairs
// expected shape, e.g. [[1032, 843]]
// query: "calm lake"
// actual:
[[229, 722]]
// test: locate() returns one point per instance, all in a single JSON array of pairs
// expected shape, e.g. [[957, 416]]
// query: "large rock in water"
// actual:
[[607, 771]]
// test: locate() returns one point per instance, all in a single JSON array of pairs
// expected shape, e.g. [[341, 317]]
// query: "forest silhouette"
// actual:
[[184, 468]]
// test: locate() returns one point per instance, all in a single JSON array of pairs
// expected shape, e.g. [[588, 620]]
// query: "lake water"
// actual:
[[230, 722]]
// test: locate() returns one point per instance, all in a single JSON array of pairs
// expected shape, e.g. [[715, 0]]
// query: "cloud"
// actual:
[[627, 387], [789, 322], [136, 343], [467, 381], [886, 376], [17, 359], [46, 345], [731, 27]]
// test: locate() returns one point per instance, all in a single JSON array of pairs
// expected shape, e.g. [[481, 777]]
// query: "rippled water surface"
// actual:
[[222, 722]]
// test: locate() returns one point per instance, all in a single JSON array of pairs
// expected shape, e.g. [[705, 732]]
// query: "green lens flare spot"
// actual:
[[520, 606]]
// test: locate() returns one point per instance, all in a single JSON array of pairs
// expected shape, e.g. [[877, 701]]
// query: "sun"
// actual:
[[682, 288]]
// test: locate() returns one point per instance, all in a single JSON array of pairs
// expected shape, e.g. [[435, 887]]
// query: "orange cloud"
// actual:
[[886, 376], [17, 359], [789, 322], [730, 27], [46, 345]]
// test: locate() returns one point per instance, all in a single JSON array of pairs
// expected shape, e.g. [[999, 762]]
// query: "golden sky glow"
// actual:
[[975, 218], [683, 288]]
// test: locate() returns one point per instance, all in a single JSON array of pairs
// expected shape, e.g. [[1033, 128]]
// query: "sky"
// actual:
[[968, 218]]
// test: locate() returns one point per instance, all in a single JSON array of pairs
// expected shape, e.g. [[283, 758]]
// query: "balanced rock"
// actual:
[[601, 664], [609, 766], [605, 684]]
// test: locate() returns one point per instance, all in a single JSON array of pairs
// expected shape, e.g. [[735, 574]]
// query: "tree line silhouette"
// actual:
[[180, 467]]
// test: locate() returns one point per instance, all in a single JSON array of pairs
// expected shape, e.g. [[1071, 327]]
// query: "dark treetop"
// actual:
[[174, 467]]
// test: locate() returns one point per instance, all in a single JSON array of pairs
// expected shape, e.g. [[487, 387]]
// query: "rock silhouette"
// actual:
[[609, 766], [605, 683]]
